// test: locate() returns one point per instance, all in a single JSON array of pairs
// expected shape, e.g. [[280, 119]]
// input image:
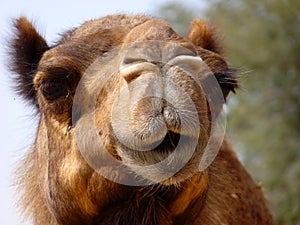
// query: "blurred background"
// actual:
[[261, 41]]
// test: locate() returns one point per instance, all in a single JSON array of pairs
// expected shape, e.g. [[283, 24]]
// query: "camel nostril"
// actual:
[[172, 119], [132, 71], [129, 77]]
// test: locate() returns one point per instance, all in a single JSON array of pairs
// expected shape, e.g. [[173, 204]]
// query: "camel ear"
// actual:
[[202, 35], [26, 49]]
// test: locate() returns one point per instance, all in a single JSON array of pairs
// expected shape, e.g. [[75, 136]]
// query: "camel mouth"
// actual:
[[163, 147], [171, 160], [168, 144]]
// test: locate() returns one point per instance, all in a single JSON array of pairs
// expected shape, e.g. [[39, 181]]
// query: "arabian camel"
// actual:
[[127, 109]]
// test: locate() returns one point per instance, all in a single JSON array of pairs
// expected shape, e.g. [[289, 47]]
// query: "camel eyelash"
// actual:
[[53, 89]]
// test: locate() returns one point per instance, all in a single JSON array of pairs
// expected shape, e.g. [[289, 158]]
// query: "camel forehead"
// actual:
[[124, 27], [97, 26], [137, 26], [152, 30], [111, 22]]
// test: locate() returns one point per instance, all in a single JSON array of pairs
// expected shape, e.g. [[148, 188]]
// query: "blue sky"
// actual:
[[18, 124]]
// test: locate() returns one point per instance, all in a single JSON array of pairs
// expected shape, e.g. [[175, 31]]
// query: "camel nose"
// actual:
[[156, 99], [138, 68]]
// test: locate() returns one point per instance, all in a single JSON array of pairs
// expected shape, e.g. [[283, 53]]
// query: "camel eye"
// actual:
[[54, 89]]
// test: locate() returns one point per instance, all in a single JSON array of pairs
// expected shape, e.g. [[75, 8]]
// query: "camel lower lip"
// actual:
[[162, 162], [166, 145]]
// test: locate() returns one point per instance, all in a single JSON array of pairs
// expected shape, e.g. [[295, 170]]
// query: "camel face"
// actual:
[[131, 93], [140, 90]]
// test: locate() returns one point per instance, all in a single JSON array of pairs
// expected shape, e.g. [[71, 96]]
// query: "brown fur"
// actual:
[[204, 36], [58, 187], [27, 49]]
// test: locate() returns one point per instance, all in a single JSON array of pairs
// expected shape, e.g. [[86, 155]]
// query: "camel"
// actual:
[[127, 108]]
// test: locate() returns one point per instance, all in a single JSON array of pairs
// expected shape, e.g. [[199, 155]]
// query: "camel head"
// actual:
[[126, 95]]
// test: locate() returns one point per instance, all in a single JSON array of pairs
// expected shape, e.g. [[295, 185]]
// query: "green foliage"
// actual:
[[262, 39]]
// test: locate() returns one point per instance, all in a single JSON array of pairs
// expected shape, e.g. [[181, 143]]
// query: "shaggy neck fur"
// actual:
[[157, 205]]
